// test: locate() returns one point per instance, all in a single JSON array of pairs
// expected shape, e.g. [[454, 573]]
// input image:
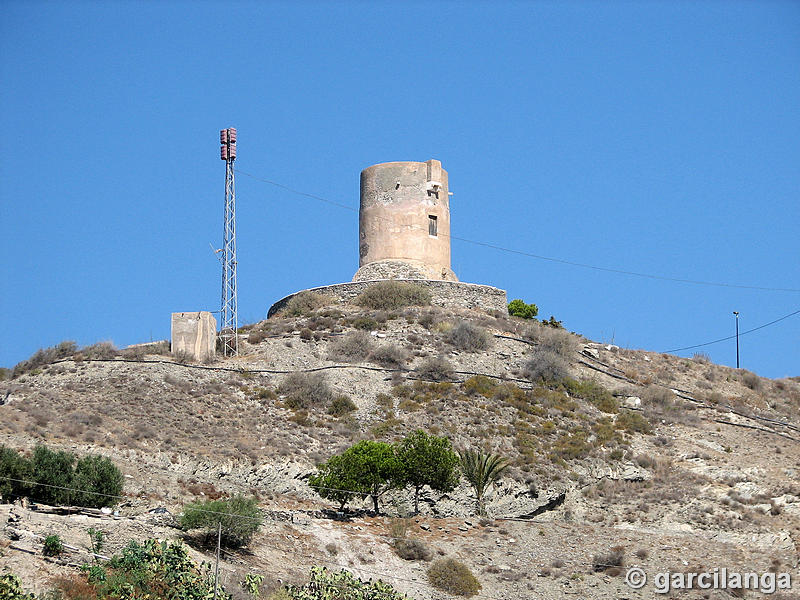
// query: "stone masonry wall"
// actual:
[[444, 293]]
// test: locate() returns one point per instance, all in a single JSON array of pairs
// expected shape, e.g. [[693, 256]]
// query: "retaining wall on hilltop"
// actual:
[[447, 294]]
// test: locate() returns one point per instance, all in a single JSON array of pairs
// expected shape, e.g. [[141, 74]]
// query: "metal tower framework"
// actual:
[[229, 318]]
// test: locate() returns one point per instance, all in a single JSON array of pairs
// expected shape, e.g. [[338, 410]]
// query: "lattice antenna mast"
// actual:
[[229, 318]]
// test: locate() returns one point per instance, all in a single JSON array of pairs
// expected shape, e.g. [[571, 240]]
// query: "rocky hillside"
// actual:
[[619, 457]]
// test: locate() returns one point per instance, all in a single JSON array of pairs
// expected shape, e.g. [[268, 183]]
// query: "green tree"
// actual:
[[52, 474], [239, 517], [427, 460], [481, 471], [15, 470], [99, 480], [368, 468], [518, 308]]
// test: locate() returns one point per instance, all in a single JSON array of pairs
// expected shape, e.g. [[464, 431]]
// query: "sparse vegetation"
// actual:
[[44, 357], [453, 577], [391, 295]]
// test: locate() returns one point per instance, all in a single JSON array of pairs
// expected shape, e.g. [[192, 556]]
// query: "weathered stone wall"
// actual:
[[444, 293], [194, 333]]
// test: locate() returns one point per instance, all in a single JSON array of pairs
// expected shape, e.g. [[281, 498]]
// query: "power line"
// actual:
[[730, 337], [539, 256]]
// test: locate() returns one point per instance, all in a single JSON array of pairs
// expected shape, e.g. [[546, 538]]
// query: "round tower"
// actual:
[[404, 222]]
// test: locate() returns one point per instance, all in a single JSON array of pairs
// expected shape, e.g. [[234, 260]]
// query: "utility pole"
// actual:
[[229, 318], [736, 315], [216, 568]]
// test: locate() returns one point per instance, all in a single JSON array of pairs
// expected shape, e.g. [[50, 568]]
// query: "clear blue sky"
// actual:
[[657, 137]]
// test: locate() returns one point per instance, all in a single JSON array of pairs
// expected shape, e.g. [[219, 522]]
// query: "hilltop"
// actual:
[[618, 455]]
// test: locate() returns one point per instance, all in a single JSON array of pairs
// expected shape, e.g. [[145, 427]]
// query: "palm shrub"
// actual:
[[481, 471], [238, 516]]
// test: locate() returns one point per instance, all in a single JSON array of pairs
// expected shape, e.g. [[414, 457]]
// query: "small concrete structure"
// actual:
[[194, 333], [404, 222]]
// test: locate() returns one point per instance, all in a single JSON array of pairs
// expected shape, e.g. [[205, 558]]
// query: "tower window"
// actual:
[[432, 226]]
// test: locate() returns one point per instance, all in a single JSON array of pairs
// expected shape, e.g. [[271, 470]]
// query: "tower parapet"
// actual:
[[404, 222]]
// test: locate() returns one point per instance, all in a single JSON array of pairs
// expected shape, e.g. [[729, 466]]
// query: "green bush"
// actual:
[[53, 546], [594, 393], [365, 469], [427, 460], [305, 390], [99, 480], [11, 588], [52, 472], [453, 577], [518, 308], [391, 295], [17, 470], [239, 516], [94, 481], [152, 569], [632, 421], [469, 337], [325, 585]]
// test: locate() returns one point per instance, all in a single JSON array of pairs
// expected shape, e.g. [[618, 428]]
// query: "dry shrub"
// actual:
[[435, 369], [391, 295], [453, 577], [546, 366], [388, 355], [351, 347], [558, 341], [412, 549], [752, 381], [305, 390], [614, 557], [305, 303], [469, 337], [73, 587], [44, 357], [100, 351], [341, 405]]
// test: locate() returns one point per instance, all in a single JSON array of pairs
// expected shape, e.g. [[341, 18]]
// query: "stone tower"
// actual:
[[404, 222]]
